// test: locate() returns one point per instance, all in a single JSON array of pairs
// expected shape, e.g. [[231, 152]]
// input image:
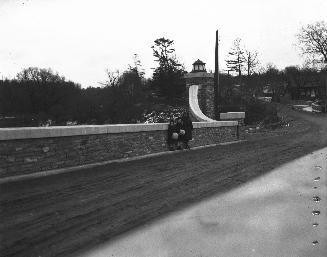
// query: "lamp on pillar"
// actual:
[[199, 66]]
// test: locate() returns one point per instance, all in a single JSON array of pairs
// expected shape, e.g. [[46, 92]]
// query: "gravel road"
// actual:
[[64, 214]]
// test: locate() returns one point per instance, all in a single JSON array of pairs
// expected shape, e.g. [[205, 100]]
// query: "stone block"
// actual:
[[30, 159], [45, 149], [11, 158]]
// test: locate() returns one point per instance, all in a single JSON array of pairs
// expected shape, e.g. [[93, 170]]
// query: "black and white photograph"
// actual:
[[176, 128]]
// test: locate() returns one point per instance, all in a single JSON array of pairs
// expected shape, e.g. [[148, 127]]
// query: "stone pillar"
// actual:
[[206, 94]]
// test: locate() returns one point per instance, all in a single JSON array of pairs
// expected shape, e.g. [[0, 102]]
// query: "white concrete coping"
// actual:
[[232, 115], [65, 131], [214, 124], [199, 75]]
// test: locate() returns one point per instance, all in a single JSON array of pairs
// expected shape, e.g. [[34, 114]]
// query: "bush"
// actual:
[[164, 115], [258, 111]]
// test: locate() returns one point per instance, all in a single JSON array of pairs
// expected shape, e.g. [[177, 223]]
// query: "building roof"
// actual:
[[198, 62]]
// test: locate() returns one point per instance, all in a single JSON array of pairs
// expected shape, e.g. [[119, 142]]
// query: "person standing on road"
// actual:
[[172, 138], [187, 127], [181, 133]]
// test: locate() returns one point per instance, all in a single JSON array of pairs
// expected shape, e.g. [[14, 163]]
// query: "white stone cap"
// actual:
[[199, 75], [214, 124], [65, 131], [232, 115]]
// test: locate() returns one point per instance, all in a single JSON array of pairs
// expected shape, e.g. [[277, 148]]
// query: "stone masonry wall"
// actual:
[[208, 136], [206, 97], [30, 155]]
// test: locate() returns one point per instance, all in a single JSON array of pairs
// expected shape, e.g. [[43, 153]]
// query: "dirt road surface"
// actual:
[[271, 215], [66, 214]]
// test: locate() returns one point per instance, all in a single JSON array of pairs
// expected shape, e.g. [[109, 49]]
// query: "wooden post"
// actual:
[[216, 80], [326, 89], [325, 74]]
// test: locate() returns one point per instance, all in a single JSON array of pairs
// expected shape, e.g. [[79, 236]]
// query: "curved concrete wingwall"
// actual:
[[195, 110]]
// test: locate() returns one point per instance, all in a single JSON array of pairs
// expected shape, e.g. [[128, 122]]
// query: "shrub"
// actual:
[[258, 111]]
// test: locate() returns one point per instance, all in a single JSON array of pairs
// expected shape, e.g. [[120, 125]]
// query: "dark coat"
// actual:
[[171, 129], [178, 128], [188, 127]]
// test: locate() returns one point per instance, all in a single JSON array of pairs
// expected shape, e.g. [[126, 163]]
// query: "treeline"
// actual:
[[240, 93], [38, 101], [43, 98], [288, 81], [39, 97]]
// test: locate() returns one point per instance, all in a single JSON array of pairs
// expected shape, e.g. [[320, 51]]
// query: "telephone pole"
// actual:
[[325, 71], [216, 79]]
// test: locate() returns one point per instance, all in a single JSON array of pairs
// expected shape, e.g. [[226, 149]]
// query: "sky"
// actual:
[[80, 39]]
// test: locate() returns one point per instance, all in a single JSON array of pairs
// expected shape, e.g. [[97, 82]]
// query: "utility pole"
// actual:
[[216, 80], [324, 74], [325, 71]]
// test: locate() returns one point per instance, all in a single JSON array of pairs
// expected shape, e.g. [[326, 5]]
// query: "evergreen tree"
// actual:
[[168, 76]]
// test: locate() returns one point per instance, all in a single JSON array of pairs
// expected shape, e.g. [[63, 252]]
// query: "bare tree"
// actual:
[[39, 75], [113, 78], [137, 66], [251, 61], [313, 42], [235, 62], [312, 39]]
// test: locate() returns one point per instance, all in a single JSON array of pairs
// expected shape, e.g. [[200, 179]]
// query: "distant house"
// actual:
[[308, 87], [309, 90], [267, 91]]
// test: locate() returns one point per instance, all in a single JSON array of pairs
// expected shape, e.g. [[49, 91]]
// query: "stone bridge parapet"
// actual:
[[32, 150]]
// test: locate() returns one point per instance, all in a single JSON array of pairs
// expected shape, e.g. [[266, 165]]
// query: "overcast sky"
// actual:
[[81, 38]]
